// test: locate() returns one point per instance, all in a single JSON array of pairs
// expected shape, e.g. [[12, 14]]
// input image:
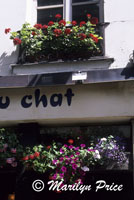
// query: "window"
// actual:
[[69, 9]]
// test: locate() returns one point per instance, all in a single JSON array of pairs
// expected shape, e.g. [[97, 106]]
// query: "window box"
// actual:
[[61, 66]]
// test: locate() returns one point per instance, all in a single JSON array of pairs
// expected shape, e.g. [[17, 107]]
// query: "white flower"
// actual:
[[97, 154], [103, 139], [85, 169]]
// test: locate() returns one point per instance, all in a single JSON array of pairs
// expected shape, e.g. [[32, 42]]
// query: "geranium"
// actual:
[[50, 23], [45, 26], [74, 23], [56, 41], [67, 31], [94, 38], [62, 23], [82, 23], [94, 20], [82, 36], [17, 41], [88, 16], [58, 16], [7, 30], [57, 32], [38, 26]]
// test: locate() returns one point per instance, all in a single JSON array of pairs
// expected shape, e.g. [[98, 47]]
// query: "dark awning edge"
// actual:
[[65, 78]]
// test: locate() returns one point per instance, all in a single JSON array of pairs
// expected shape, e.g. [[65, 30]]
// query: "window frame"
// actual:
[[67, 8]]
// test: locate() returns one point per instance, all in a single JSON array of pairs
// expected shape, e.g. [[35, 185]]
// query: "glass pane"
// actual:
[[44, 16], [79, 1], [80, 12], [49, 2]]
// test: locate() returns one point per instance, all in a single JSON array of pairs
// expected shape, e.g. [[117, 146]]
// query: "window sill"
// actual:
[[59, 66]]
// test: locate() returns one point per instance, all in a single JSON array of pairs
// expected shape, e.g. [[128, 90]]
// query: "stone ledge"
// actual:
[[59, 66]]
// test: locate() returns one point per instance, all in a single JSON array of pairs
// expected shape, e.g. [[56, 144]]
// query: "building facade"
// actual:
[[91, 92]]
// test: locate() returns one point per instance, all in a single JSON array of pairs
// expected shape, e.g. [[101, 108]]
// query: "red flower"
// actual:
[[70, 141], [33, 33], [93, 37], [58, 16], [67, 31], [94, 20], [82, 36], [16, 41], [50, 23], [31, 157], [48, 147], [38, 26], [62, 22], [82, 23], [37, 154], [57, 32], [45, 26], [74, 23], [25, 158], [7, 30], [88, 16]]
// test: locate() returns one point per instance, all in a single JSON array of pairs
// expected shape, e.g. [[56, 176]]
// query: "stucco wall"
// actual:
[[12, 15], [118, 34]]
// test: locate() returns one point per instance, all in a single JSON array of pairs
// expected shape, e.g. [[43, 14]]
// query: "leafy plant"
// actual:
[[58, 40]]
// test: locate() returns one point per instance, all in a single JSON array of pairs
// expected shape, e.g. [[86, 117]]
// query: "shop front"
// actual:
[[72, 114]]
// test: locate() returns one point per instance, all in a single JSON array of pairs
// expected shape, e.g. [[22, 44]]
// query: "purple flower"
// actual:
[[82, 145], [65, 145], [91, 150], [54, 176], [54, 162], [61, 150], [61, 175], [70, 147], [71, 156], [74, 166], [63, 169], [61, 158], [77, 153], [76, 149]]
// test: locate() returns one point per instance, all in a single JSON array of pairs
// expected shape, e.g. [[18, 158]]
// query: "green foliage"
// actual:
[[58, 41]]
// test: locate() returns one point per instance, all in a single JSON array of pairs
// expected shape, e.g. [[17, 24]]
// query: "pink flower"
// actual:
[[70, 147], [74, 166], [54, 162], [13, 150], [63, 169], [65, 145], [61, 158], [61, 150], [61, 175], [77, 153], [82, 145], [76, 149]]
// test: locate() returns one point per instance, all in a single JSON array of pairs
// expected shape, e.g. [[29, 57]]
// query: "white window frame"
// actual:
[[67, 7]]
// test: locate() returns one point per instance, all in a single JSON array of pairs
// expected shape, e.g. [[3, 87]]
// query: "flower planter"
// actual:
[[61, 66]]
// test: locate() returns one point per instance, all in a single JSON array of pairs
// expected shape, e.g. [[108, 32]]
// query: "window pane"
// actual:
[[44, 16], [49, 2], [80, 12]]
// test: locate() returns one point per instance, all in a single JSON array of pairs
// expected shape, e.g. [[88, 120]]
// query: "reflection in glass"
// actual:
[[49, 2]]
